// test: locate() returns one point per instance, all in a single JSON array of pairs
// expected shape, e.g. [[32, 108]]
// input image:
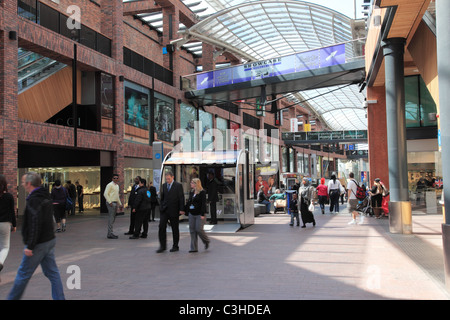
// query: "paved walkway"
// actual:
[[269, 260]]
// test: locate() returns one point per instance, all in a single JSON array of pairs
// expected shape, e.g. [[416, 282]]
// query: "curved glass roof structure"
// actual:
[[267, 29], [258, 30]]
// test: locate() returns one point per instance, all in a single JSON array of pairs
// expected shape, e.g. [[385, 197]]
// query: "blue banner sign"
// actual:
[[308, 60]]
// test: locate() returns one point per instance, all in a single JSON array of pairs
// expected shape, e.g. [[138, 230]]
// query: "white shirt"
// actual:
[[335, 186], [352, 187], [111, 193]]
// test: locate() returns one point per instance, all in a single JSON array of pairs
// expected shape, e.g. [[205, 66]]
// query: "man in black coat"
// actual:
[[171, 206], [213, 197], [141, 206], [39, 238], [131, 199]]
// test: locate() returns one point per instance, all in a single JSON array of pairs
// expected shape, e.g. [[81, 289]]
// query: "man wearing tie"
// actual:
[[171, 206]]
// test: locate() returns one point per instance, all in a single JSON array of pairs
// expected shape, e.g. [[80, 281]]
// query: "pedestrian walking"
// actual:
[[59, 199], [171, 206], [196, 210], [71, 189], [306, 192], [334, 192], [141, 208], [113, 202], [322, 193], [131, 198], [7, 219], [293, 206], [352, 189], [39, 238], [80, 196]]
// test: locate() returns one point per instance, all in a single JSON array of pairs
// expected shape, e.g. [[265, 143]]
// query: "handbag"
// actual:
[[311, 207]]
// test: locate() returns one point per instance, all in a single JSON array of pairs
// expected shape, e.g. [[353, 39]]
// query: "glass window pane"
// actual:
[[412, 102], [427, 106], [164, 117], [137, 113]]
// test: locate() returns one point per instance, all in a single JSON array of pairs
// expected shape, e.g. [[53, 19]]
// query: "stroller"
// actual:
[[365, 206]]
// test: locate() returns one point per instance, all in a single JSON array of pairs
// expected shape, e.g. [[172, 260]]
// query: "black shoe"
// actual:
[[291, 224], [112, 236], [133, 237], [1, 267], [128, 233], [174, 249], [303, 226], [143, 236], [160, 250], [191, 251], [206, 246], [314, 224]]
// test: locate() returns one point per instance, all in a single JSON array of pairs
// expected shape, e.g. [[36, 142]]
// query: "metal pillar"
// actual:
[[400, 214], [443, 47]]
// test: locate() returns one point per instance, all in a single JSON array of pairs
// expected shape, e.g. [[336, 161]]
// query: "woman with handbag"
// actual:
[[306, 193], [196, 210]]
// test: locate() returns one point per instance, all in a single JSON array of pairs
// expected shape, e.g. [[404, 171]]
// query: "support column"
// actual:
[[8, 97], [443, 47], [400, 214], [377, 135]]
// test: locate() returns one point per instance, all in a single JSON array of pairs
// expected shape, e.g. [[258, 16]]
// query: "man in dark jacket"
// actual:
[[131, 199], [39, 238], [141, 206], [170, 207]]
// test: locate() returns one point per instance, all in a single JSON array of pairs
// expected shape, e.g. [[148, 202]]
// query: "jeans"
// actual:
[[267, 203], [294, 215], [196, 229], [44, 255]]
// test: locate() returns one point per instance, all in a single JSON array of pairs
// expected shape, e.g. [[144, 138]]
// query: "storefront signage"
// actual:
[[320, 136], [308, 60]]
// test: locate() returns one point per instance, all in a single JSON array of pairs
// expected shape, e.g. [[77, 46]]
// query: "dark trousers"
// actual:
[[141, 219], [213, 211], [174, 223], [80, 204], [153, 211], [132, 221]]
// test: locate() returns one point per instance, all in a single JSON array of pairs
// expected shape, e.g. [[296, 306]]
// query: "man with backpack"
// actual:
[[355, 194]]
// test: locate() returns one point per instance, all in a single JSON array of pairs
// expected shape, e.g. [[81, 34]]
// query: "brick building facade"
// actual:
[[27, 143]]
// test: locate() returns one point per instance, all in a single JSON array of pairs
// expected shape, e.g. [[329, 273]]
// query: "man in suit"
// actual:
[[132, 197], [213, 197], [171, 206]]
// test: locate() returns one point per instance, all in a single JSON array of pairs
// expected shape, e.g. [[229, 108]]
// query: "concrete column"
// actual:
[[443, 47], [400, 215]]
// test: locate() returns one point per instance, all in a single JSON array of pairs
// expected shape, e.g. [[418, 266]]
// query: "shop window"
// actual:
[[188, 116], [419, 104], [103, 45], [137, 113], [164, 117], [206, 136], [107, 103]]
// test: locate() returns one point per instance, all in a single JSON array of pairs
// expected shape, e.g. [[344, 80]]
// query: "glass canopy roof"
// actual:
[[262, 29]]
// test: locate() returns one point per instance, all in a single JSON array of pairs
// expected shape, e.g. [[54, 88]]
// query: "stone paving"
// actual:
[[267, 261]]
